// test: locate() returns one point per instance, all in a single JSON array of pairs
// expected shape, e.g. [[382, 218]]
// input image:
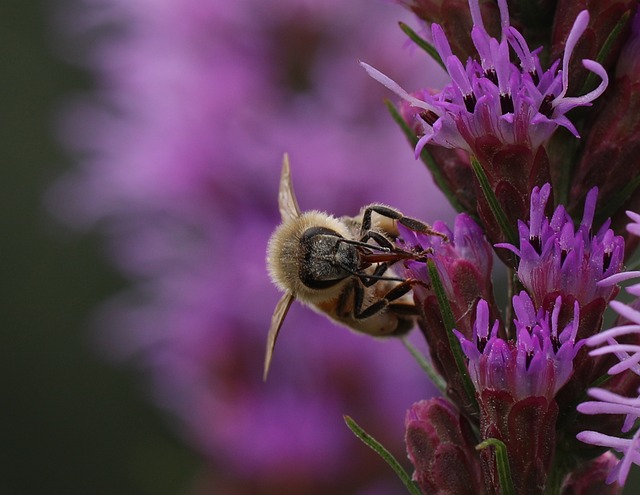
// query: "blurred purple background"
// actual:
[[179, 154]]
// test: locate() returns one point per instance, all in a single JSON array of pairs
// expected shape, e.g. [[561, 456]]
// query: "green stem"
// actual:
[[502, 463]]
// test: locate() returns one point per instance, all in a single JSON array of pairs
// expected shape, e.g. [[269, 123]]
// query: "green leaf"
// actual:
[[502, 463], [494, 205], [427, 47], [426, 158], [385, 454], [426, 366], [450, 323]]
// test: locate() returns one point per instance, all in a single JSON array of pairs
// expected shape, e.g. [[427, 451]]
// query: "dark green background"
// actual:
[[69, 423]]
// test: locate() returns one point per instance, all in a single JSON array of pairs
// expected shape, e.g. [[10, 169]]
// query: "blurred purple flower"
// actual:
[[180, 149], [622, 342]]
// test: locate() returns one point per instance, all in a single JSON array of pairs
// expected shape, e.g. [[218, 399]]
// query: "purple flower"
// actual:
[[556, 258], [516, 381], [492, 96], [464, 261], [538, 363]]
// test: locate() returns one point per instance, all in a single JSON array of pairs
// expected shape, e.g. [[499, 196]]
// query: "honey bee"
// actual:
[[341, 266]]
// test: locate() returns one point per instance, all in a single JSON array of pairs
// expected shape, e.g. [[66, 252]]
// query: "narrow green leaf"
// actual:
[[502, 462], [450, 323], [492, 200], [590, 81], [426, 366], [426, 158], [426, 46], [384, 453], [443, 300]]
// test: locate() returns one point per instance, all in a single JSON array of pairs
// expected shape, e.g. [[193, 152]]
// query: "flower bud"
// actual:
[[440, 445]]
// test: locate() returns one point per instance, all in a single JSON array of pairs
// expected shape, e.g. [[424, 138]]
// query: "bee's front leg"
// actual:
[[393, 214], [385, 301]]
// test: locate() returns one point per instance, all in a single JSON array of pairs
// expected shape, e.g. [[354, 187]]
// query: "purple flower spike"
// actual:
[[517, 103]]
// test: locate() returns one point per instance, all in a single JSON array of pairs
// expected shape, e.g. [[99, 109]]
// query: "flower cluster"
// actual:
[[519, 377], [529, 371]]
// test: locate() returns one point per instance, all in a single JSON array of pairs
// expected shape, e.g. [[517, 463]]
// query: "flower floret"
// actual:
[[555, 257], [537, 363]]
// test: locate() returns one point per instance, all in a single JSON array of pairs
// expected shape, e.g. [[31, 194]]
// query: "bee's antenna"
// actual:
[[363, 276], [366, 245]]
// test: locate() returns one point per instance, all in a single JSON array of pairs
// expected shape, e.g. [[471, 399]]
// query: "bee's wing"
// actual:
[[287, 202], [276, 322]]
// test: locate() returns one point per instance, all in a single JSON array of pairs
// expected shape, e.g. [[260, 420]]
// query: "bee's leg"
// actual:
[[380, 239], [380, 270], [393, 214], [385, 301]]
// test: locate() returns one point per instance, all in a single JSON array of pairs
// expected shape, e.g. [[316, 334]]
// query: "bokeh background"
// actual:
[[71, 422], [102, 394], [111, 349]]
